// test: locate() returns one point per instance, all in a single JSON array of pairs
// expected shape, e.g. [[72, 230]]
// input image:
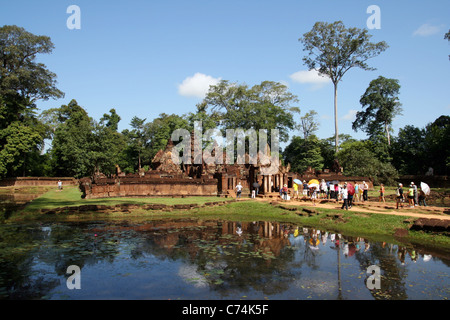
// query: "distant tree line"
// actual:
[[82, 146]]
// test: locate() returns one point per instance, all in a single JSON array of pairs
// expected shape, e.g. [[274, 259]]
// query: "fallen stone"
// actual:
[[401, 233], [182, 206], [310, 211]]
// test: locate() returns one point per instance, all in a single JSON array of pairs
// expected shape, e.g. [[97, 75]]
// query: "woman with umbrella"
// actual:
[[256, 186], [313, 188], [424, 190]]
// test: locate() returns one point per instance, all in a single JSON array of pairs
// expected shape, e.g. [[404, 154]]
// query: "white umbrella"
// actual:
[[425, 188]]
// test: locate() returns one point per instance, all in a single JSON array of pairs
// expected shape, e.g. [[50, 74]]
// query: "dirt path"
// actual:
[[429, 212]]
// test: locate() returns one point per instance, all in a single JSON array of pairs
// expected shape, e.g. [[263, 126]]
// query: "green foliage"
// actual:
[[73, 146], [309, 124], [381, 106], [437, 137], [23, 81], [20, 139], [303, 153], [264, 106], [159, 131], [409, 150], [416, 150], [357, 159]]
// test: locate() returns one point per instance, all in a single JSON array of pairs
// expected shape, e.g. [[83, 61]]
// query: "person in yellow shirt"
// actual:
[[296, 191], [411, 196]]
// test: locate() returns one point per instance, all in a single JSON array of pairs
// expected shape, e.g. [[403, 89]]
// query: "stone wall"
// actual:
[[150, 188], [37, 181], [432, 181]]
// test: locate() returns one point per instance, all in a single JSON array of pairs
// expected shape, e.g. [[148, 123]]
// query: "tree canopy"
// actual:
[[381, 105], [23, 82]]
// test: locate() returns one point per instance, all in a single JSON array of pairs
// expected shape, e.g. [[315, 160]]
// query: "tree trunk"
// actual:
[[336, 131], [387, 133]]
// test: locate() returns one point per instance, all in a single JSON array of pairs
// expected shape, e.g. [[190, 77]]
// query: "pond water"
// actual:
[[190, 259]]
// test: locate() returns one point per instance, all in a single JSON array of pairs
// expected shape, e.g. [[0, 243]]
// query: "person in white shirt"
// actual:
[[239, 190], [344, 193]]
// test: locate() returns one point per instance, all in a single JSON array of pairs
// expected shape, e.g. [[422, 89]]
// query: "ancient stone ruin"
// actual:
[[168, 179]]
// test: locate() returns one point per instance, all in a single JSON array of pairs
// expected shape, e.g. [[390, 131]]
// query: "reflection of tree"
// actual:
[[214, 248], [392, 283], [265, 258], [16, 277]]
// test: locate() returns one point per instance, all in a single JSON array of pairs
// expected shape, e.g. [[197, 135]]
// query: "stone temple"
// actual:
[[168, 179]]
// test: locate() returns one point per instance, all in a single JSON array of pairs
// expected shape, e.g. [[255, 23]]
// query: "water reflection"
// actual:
[[186, 259]]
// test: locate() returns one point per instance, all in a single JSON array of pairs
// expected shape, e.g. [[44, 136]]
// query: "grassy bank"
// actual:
[[379, 227], [71, 197]]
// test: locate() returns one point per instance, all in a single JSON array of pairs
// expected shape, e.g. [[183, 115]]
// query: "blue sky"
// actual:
[[144, 58]]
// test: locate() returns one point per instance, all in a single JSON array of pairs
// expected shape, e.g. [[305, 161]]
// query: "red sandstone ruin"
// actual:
[[169, 179]]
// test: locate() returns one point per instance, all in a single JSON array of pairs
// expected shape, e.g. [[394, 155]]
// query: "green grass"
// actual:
[[71, 197]]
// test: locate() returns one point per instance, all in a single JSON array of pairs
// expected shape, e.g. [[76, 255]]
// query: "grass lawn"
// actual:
[[71, 197]]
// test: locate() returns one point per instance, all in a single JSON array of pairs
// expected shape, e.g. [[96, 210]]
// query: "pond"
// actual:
[[203, 260]]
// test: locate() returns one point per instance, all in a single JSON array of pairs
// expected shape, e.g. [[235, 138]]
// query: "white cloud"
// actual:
[[197, 85], [351, 114], [426, 30], [310, 77]]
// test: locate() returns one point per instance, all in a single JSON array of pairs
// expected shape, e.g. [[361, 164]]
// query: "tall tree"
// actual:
[[268, 105], [109, 145], [73, 144], [159, 131], [23, 82], [437, 136], [308, 124], [381, 105], [333, 50], [111, 120], [137, 136], [409, 150]]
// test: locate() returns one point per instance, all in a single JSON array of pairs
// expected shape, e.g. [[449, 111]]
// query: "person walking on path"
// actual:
[[365, 190], [296, 191], [239, 190], [313, 192], [351, 193], [416, 195], [382, 193], [305, 188], [411, 196], [344, 193], [285, 192], [356, 192], [422, 197], [400, 198]]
